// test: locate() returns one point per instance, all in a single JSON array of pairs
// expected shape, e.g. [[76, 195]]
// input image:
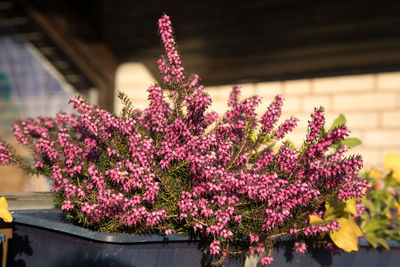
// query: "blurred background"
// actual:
[[343, 55]]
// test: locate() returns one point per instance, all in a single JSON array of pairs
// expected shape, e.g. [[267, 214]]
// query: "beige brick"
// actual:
[[266, 101], [344, 84], [391, 118], [391, 150], [133, 73], [297, 87], [330, 118], [398, 100], [263, 106], [356, 120], [311, 102], [215, 92], [261, 109], [388, 81], [268, 90], [141, 105], [133, 79], [382, 138], [357, 134], [297, 137], [138, 97], [219, 106], [369, 101], [247, 90], [371, 157], [141, 93], [292, 104]]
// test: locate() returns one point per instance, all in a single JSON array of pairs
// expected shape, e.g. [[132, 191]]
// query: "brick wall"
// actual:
[[371, 104]]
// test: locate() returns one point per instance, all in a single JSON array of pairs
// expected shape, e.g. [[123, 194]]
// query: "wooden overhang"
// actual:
[[225, 41], [84, 62], [230, 41]]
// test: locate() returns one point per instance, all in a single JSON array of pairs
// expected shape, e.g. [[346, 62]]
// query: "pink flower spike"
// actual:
[[5, 155], [215, 247], [168, 232], [267, 260], [38, 165]]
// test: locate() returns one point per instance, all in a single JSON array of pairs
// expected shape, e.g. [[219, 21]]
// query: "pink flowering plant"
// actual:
[[176, 168]]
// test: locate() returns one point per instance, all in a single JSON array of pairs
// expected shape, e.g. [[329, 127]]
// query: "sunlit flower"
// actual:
[[392, 163], [4, 213], [374, 173]]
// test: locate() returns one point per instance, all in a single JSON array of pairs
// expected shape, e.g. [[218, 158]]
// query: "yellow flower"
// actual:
[[392, 162], [388, 215], [4, 213], [396, 176], [374, 173]]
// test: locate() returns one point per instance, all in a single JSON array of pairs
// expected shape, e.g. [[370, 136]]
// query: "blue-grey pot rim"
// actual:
[[27, 217]]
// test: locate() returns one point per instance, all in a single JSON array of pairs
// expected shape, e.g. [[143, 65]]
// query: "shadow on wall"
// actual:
[[28, 89]]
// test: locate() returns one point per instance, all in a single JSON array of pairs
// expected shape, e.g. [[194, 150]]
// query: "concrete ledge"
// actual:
[[29, 200]]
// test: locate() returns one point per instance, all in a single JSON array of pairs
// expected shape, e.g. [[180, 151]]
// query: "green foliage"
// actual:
[[339, 121], [350, 142], [382, 219]]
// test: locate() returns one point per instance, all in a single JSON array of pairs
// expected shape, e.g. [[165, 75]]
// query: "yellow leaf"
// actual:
[[6, 216], [355, 227], [3, 203], [334, 208], [253, 137], [351, 206], [329, 212], [315, 220], [383, 243], [4, 213], [345, 238], [392, 162]]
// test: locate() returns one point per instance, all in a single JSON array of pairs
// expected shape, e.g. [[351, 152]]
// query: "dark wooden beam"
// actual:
[[92, 58], [230, 41]]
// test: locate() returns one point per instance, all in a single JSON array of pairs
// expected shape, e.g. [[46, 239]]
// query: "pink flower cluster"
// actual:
[[171, 67], [5, 154], [300, 247], [164, 169]]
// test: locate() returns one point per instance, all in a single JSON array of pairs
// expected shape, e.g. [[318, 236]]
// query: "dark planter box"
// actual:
[[366, 256], [5, 235], [41, 238]]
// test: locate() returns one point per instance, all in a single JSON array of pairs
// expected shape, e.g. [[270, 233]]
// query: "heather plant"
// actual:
[[176, 168]]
